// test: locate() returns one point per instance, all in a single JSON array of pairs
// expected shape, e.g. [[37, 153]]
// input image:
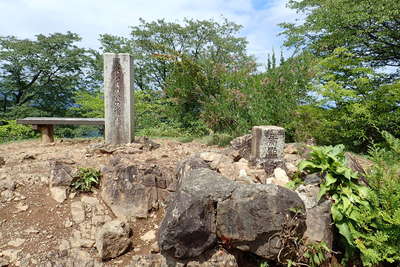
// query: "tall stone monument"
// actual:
[[267, 147], [119, 98]]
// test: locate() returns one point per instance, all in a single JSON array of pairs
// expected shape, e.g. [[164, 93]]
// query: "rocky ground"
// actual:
[[36, 230], [159, 203]]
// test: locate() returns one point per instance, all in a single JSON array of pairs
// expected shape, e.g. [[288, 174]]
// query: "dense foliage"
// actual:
[[40, 76], [12, 131], [368, 28], [367, 216]]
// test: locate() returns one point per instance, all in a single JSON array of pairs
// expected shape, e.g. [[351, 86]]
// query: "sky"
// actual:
[[90, 18]]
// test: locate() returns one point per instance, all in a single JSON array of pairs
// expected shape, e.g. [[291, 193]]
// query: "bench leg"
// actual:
[[47, 133]]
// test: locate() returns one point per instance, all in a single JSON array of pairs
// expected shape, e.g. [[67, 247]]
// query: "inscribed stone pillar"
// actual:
[[118, 98], [267, 147]]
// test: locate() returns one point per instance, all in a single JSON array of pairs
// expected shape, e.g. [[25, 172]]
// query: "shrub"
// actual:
[[13, 131], [368, 218]]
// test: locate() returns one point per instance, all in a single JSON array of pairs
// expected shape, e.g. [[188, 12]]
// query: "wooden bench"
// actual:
[[46, 125]]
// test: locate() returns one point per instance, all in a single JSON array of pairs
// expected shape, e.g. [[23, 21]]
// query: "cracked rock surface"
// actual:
[[209, 207]]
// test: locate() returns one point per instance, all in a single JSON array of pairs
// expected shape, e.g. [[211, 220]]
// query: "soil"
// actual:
[[33, 224]]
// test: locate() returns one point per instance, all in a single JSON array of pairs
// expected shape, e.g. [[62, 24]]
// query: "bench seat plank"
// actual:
[[61, 121]]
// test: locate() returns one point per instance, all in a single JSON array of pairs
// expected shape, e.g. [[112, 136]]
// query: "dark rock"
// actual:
[[313, 178], [147, 143], [61, 173], [2, 162], [188, 228], [189, 164], [208, 206], [28, 157], [271, 164], [253, 217]]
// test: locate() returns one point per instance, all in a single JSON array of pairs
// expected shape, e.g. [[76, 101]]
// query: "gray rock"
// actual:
[[77, 212], [213, 258], [113, 239], [252, 218], [319, 221], [4, 262], [188, 228], [61, 177], [6, 196], [243, 145], [7, 184], [131, 192], [71, 258], [150, 260], [319, 224]]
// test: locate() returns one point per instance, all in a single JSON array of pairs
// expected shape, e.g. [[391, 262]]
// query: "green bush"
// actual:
[[13, 131], [368, 218]]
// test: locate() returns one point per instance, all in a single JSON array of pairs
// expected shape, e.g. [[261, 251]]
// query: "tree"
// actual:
[[41, 74], [357, 101], [157, 45], [368, 28], [180, 60]]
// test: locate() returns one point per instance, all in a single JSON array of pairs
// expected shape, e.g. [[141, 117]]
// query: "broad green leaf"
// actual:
[[330, 179], [345, 232]]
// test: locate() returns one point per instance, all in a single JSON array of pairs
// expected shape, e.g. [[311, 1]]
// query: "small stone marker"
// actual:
[[267, 147], [119, 98]]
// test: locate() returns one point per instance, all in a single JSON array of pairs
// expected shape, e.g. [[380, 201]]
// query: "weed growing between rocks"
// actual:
[[86, 179]]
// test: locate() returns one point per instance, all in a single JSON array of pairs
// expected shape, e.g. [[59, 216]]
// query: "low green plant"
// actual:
[[295, 181], [316, 253], [219, 139], [86, 179], [367, 225], [185, 139]]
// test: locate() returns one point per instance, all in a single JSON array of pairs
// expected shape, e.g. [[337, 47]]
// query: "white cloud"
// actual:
[[89, 18]]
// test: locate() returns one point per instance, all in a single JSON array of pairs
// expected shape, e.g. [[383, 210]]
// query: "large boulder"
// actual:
[[207, 206], [253, 217], [113, 239], [188, 228], [132, 191]]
